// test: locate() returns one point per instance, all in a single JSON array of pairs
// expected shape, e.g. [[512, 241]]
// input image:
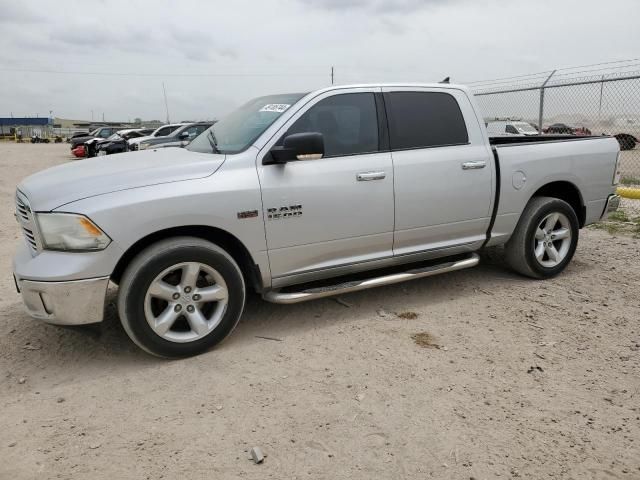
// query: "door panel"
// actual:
[[438, 203], [443, 179], [318, 213], [343, 220]]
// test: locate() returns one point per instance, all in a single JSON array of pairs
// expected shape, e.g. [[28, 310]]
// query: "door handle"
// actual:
[[368, 176], [474, 165]]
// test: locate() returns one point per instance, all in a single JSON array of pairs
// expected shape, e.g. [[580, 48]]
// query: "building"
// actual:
[[25, 126]]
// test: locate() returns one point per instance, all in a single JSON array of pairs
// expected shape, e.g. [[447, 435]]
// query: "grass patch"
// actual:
[[610, 227], [619, 222], [618, 216], [407, 315], [627, 180]]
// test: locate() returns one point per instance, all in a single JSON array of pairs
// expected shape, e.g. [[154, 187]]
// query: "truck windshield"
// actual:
[[235, 132]]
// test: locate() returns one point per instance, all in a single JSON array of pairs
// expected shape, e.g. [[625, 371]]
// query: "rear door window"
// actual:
[[424, 119], [163, 132]]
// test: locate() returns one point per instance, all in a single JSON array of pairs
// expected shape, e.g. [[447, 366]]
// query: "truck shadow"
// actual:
[[107, 344], [280, 322]]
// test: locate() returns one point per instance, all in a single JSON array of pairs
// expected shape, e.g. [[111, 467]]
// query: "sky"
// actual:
[[85, 59]]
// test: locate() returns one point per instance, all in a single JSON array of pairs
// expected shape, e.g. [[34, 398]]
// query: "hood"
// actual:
[[57, 186], [82, 139]]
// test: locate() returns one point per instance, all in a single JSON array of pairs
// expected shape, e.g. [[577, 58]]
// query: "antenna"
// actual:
[[166, 105]]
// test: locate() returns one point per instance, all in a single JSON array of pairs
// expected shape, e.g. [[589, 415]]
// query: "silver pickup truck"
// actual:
[[301, 196]]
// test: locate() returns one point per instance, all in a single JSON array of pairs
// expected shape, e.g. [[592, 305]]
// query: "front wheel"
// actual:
[[545, 238], [180, 297]]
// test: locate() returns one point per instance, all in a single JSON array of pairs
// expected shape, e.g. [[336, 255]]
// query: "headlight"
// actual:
[[69, 231], [143, 146]]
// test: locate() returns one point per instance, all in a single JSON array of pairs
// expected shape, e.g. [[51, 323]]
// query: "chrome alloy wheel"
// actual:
[[552, 240], [186, 301]]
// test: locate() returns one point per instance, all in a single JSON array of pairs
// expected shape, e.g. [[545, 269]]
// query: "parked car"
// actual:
[[180, 137], [101, 132], [558, 128], [117, 143], [298, 197], [561, 128], [509, 127], [581, 130], [79, 151], [162, 131]]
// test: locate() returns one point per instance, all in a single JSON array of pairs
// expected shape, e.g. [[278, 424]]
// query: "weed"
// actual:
[[625, 180], [618, 216], [425, 340]]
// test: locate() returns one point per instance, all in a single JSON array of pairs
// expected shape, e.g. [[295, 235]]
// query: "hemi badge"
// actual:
[[248, 214]]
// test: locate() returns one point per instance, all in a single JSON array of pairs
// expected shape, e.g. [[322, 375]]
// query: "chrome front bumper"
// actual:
[[76, 302], [613, 202]]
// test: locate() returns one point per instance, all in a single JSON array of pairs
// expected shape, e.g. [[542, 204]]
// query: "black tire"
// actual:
[[148, 265], [519, 249]]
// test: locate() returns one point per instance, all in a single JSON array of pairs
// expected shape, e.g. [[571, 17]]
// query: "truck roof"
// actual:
[[446, 86]]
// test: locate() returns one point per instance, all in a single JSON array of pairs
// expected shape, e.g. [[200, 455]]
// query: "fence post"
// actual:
[[541, 111], [600, 102]]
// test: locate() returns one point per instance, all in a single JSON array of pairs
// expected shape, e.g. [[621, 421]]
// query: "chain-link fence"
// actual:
[[564, 103]]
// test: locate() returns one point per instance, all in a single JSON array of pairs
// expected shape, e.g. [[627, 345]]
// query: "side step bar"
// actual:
[[276, 296]]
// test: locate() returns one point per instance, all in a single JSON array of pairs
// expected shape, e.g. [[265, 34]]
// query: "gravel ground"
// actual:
[[478, 374]]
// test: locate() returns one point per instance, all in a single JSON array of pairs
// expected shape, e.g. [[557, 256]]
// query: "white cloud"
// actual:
[[215, 55]]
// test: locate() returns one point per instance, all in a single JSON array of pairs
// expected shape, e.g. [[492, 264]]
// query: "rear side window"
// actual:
[[424, 119], [511, 129], [348, 123]]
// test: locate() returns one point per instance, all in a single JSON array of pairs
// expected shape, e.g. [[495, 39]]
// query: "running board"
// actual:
[[276, 296]]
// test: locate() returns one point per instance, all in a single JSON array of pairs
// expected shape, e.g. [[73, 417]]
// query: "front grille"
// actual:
[[26, 220], [30, 237], [22, 210]]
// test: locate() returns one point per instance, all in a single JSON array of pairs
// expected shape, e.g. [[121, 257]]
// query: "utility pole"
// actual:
[[331, 75], [91, 115], [166, 105], [102, 117]]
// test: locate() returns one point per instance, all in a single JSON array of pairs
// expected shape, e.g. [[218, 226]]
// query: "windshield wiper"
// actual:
[[212, 140]]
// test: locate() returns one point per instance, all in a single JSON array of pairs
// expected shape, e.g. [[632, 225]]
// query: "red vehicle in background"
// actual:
[[79, 151]]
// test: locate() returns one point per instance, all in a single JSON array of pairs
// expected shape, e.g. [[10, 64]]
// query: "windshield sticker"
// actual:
[[275, 107]]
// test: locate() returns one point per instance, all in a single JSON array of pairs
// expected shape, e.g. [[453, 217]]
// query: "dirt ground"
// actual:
[[478, 374]]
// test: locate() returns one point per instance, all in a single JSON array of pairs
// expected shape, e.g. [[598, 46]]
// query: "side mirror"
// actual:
[[184, 135], [297, 146]]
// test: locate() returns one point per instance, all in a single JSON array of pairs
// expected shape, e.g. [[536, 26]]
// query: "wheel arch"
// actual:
[[230, 243], [568, 192]]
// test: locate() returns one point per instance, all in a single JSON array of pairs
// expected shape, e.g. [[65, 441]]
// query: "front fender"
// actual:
[[130, 215]]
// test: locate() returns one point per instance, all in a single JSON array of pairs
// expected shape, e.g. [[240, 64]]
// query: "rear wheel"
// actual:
[[180, 297], [545, 238]]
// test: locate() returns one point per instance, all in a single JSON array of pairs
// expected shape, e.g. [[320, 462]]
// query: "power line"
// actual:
[[598, 64], [538, 74], [165, 74], [599, 70], [534, 76]]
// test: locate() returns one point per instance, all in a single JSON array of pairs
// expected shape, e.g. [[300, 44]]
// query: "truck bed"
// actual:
[[525, 164]]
